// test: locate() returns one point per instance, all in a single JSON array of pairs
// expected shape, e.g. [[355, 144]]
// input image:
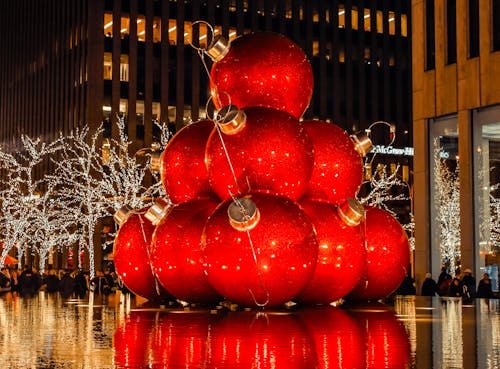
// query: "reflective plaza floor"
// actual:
[[47, 331]]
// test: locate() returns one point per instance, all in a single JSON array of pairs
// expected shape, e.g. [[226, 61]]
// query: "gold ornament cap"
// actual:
[[362, 143], [122, 215], [351, 212], [155, 161], [219, 48], [243, 214], [157, 211], [231, 120]]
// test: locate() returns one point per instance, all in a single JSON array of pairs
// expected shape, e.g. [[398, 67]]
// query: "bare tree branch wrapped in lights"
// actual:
[[22, 203], [495, 217], [447, 203]]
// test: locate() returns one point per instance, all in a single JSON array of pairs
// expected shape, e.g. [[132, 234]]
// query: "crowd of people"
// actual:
[[462, 285], [69, 283]]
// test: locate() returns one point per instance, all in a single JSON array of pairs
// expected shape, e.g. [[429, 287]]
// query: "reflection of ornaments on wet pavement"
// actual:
[[131, 340], [387, 342], [267, 264], [181, 339], [272, 153], [261, 340], [182, 164], [341, 251], [131, 254], [338, 166], [176, 255], [263, 69], [387, 256], [338, 338]]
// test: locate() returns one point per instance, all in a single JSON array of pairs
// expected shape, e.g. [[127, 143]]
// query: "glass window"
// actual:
[[445, 194], [108, 24], [108, 66], [487, 191], [451, 31], [141, 28], [495, 24], [473, 25], [124, 68]]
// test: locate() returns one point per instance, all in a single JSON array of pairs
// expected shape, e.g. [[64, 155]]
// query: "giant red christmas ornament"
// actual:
[[262, 69], [338, 339], [263, 150], [131, 254], [341, 252], [175, 252], [261, 252], [266, 340], [338, 166], [182, 163], [387, 256], [387, 343]]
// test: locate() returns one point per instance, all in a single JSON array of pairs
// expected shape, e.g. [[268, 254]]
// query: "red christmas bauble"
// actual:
[[131, 257], [182, 168], [341, 255], [131, 340], [338, 167], [264, 69], [271, 153], [271, 340], [339, 340], [387, 256], [181, 339], [267, 265], [387, 343], [176, 255]]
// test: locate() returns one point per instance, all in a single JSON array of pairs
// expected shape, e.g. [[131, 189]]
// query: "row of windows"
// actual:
[[451, 30], [202, 30]]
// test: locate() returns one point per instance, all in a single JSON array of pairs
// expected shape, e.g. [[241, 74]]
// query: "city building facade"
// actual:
[[456, 126]]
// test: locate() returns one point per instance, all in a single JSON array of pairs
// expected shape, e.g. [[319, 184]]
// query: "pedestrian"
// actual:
[[469, 281], [484, 287], [429, 287], [455, 289]]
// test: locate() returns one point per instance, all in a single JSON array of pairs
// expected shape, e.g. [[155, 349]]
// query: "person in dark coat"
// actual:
[[52, 282], [455, 289], [81, 284], [484, 287], [407, 287], [429, 287], [470, 282], [28, 282], [67, 285]]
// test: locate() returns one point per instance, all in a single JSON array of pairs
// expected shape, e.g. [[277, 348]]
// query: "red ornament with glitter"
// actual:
[[338, 167], [262, 150], [131, 254], [182, 163], [262, 69], [176, 255], [341, 253], [387, 256], [260, 250]]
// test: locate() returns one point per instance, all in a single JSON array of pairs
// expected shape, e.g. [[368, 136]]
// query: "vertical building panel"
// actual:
[[180, 65], [148, 86], [132, 75]]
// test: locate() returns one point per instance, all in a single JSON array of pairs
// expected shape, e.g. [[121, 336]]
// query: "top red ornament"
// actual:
[[182, 164], [261, 69]]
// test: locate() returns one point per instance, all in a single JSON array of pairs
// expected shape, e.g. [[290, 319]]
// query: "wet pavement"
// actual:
[[118, 331]]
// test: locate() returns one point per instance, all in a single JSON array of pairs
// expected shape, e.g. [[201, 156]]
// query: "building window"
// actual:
[[445, 190], [124, 68], [495, 23], [451, 31], [430, 51], [486, 176], [108, 66], [141, 28], [473, 21]]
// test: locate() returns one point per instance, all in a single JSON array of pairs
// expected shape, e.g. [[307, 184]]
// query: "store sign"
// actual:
[[390, 150]]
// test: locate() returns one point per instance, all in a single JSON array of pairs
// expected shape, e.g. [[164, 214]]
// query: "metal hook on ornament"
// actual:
[[209, 37]]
